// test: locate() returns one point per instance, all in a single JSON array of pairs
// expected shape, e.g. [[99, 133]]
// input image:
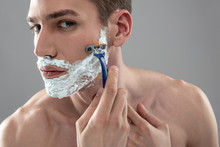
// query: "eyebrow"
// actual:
[[55, 15]]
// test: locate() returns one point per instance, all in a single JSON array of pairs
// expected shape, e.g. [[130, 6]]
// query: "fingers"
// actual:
[[125, 110], [136, 119], [153, 120], [109, 93], [144, 116], [83, 120], [120, 104]]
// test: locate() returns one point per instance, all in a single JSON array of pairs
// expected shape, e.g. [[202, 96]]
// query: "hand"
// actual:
[[146, 130], [104, 123]]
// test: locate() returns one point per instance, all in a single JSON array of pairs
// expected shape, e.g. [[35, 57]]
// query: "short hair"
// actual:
[[107, 7]]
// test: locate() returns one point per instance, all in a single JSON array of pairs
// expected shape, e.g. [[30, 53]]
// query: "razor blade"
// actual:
[[100, 48]]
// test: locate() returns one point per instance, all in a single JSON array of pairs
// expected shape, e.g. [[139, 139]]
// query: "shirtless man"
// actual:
[[137, 108]]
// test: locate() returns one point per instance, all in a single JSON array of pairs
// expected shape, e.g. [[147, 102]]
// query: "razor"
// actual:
[[99, 52]]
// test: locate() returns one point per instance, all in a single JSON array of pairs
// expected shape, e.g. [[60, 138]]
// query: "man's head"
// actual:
[[107, 7], [64, 28]]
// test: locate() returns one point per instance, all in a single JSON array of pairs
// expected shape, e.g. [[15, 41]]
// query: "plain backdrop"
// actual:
[[180, 38]]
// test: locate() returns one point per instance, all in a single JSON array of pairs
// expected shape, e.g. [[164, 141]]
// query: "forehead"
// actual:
[[41, 8]]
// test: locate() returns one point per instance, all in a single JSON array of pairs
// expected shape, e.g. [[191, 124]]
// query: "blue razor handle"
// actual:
[[99, 52], [101, 57]]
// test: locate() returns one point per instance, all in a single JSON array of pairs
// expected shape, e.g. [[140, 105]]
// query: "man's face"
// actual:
[[63, 28]]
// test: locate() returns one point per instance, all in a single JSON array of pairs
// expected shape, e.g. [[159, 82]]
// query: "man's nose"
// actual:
[[45, 44]]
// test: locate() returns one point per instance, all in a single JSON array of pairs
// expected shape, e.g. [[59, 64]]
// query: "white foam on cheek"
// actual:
[[80, 73]]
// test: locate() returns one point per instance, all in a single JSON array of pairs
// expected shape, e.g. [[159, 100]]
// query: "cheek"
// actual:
[[72, 44], [72, 47]]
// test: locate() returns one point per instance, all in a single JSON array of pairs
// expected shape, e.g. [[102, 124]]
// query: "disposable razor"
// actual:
[[99, 51]]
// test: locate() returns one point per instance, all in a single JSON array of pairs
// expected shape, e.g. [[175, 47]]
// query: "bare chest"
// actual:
[[172, 114], [67, 137], [64, 136], [178, 136]]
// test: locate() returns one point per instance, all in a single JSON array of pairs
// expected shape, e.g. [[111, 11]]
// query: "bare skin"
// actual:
[[137, 108]]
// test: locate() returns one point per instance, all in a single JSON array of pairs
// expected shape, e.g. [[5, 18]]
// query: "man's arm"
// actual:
[[26, 129], [7, 133], [204, 130]]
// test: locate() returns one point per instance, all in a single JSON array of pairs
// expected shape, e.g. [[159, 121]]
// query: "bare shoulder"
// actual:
[[202, 125], [187, 105], [33, 124], [28, 120]]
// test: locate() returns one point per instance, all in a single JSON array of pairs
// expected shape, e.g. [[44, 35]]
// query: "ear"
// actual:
[[120, 23]]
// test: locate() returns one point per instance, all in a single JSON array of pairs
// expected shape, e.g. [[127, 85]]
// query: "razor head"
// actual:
[[99, 48]]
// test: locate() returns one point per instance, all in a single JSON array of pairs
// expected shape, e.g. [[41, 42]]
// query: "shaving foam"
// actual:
[[79, 74], [103, 39]]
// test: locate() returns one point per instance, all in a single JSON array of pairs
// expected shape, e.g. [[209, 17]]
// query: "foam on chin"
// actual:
[[80, 73]]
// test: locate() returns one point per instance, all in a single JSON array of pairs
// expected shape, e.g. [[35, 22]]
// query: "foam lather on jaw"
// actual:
[[79, 74]]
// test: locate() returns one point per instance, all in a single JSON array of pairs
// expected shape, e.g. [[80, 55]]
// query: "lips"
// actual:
[[52, 71]]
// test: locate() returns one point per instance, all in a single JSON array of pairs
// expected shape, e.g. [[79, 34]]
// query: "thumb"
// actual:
[[83, 120]]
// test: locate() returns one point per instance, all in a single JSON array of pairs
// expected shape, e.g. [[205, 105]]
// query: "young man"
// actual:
[[137, 108]]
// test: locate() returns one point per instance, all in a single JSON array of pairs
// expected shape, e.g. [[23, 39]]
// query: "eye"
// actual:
[[67, 24], [36, 28]]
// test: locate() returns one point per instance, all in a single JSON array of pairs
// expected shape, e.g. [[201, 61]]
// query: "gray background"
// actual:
[[180, 38]]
